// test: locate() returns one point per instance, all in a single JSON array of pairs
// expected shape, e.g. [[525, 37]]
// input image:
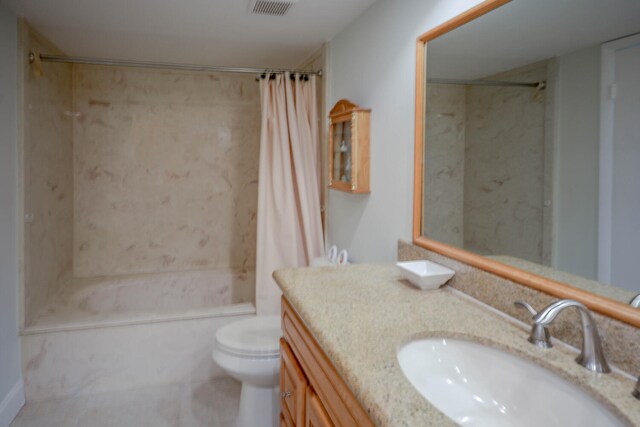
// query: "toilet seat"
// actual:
[[256, 338]]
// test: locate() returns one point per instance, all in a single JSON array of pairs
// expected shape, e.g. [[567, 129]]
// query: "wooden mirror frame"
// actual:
[[606, 306]]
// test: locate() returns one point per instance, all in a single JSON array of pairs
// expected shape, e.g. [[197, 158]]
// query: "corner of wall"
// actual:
[[11, 404], [11, 383]]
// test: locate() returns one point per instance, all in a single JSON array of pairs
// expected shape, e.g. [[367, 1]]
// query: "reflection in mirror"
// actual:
[[532, 141]]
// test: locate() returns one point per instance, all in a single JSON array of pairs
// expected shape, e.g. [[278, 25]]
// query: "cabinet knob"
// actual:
[[285, 394]]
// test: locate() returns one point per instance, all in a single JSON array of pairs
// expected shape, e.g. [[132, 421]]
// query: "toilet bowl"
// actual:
[[249, 351]]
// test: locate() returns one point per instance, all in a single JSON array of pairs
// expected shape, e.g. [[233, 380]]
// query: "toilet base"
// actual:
[[259, 406]]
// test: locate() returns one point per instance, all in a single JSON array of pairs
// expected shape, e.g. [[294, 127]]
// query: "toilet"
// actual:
[[249, 351]]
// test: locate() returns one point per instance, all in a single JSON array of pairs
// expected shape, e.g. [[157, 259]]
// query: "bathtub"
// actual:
[[108, 334]]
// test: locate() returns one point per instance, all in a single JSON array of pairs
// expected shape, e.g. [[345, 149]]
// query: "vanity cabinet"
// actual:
[[316, 415], [312, 393], [349, 147]]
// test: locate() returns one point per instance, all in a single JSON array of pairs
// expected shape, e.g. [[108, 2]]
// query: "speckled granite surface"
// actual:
[[621, 341], [361, 314]]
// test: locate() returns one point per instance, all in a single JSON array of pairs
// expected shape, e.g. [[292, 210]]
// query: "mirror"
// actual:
[[531, 141]]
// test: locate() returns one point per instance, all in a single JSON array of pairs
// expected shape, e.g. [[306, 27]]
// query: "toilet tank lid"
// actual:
[[259, 335]]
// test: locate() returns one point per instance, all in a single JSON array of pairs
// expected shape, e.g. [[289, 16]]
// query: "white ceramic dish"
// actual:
[[425, 274]]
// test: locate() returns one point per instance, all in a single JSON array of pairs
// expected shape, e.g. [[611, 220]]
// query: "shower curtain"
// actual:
[[289, 224]]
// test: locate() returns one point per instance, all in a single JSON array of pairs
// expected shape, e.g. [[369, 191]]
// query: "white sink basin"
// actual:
[[476, 385]]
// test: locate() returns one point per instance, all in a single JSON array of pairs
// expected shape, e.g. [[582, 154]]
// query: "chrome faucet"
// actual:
[[592, 355], [635, 301], [539, 335]]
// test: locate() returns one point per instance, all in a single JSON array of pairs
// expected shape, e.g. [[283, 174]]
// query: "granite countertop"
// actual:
[[362, 314]]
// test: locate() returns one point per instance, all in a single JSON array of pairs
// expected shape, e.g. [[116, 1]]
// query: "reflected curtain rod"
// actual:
[[164, 65], [541, 84]]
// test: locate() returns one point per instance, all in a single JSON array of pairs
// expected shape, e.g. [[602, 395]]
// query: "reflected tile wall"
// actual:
[[47, 173], [504, 167], [166, 170], [444, 163]]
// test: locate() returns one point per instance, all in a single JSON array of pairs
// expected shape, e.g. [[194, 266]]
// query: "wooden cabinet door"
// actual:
[[293, 386], [316, 416], [284, 422]]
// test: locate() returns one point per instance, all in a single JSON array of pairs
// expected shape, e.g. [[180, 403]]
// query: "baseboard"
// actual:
[[11, 404]]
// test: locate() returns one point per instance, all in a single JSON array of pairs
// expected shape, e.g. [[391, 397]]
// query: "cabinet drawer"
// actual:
[[316, 415], [293, 385]]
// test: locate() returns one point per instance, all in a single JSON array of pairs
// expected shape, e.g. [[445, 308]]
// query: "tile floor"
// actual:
[[210, 404]]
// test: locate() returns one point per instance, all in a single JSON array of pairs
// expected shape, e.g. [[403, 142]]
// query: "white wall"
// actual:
[[372, 63], [11, 394], [576, 169]]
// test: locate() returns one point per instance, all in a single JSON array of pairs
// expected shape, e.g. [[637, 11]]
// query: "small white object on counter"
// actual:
[[343, 258], [333, 257], [332, 254], [425, 274]]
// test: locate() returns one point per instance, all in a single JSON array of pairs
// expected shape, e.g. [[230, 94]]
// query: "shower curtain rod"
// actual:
[[164, 65], [540, 84]]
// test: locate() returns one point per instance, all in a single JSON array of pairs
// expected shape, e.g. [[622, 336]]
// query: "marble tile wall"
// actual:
[[47, 173], [166, 170], [621, 341], [504, 167], [444, 163]]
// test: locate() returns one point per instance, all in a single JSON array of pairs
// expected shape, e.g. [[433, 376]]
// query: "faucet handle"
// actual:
[[526, 305], [540, 335]]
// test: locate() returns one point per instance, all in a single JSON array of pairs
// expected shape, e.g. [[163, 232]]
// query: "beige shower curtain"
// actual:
[[289, 224]]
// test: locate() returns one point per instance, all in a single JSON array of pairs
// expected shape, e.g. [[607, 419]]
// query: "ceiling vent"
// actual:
[[271, 7]]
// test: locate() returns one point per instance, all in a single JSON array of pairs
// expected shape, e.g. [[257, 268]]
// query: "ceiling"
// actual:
[[526, 31], [208, 32]]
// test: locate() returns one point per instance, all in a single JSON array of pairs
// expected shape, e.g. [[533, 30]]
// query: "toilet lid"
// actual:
[[256, 336]]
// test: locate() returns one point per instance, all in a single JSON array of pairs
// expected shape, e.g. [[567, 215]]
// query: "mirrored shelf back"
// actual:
[[349, 147]]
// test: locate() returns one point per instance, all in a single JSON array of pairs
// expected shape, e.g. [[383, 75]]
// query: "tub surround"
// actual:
[[165, 170], [130, 172], [47, 172], [140, 189], [621, 341], [361, 314]]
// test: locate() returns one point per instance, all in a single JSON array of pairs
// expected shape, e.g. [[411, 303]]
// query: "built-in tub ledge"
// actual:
[[362, 315], [107, 320]]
